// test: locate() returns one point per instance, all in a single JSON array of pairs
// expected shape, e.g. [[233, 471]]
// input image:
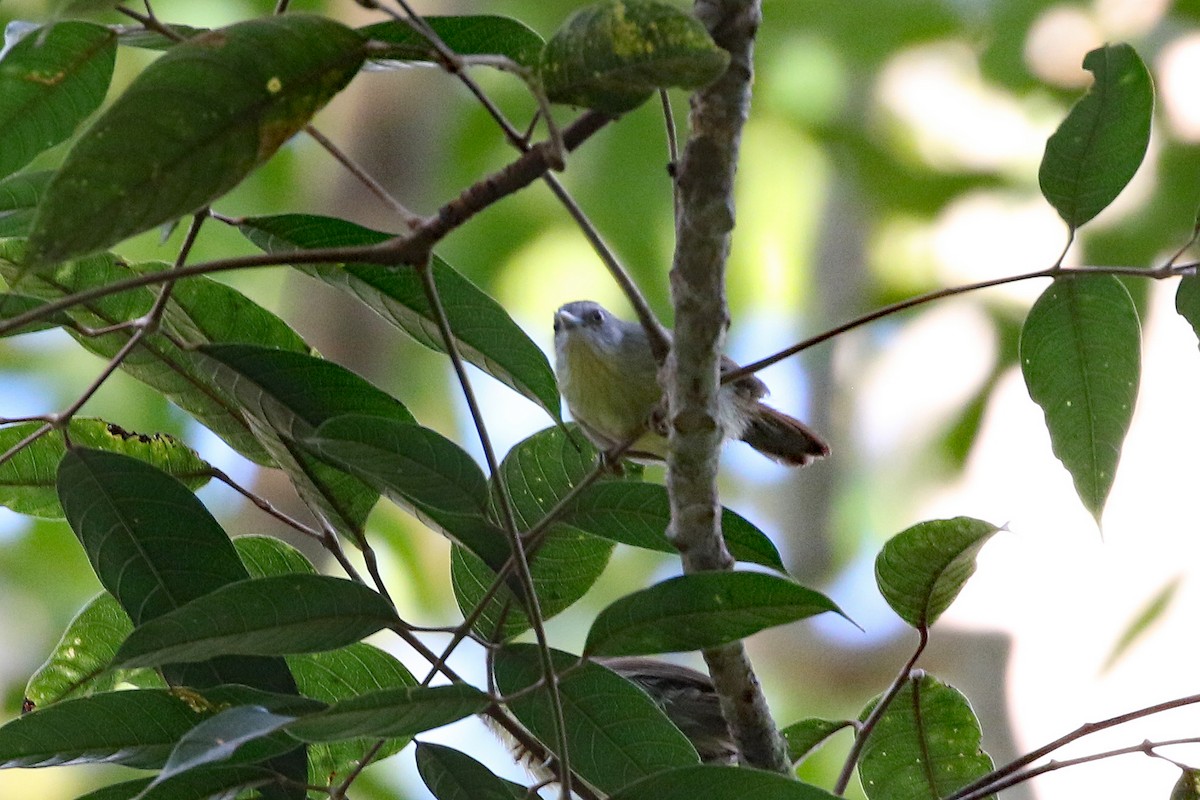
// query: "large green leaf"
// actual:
[[285, 396], [260, 616], [703, 609], [483, 332], [453, 775], [420, 470], [538, 473], [638, 514], [49, 81], [1101, 143], [155, 548], [138, 727], [220, 780], [190, 128], [925, 745], [467, 35], [200, 311], [19, 197], [251, 732], [615, 732], [388, 713], [1081, 357], [27, 480], [612, 55], [714, 782], [807, 735], [922, 569]]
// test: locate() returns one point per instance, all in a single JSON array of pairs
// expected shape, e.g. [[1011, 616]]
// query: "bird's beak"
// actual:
[[564, 320]]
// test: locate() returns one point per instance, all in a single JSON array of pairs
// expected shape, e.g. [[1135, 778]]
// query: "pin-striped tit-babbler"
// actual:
[[686, 696], [608, 375]]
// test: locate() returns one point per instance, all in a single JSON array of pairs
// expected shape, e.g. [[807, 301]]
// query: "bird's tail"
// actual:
[[782, 438]]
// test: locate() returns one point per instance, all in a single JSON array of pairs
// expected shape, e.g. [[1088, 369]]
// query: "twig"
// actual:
[[365, 178]]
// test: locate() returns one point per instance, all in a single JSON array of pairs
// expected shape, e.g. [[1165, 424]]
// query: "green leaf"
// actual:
[[19, 197], [155, 548], [350, 671], [137, 728], [703, 609], [200, 311], [1081, 356], [50, 81], [538, 473], [615, 732], [1187, 301], [233, 730], [1101, 143], [638, 514], [719, 783], [925, 745], [27, 480], [483, 331], [260, 616], [265, 556], [922, 569], [391, 713], [1145, 618], [805, 736], [13, 305], [467, 35], [78, 665], [612, 55], [287, 396], [203, 116], [218, 781], [1187, 787], [452, 775], [420, 470]]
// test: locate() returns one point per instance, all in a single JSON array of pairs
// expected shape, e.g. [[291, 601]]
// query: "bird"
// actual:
[[609, 377]]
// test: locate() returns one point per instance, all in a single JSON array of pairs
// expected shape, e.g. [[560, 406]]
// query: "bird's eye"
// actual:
[[595, 316], [557, 324]]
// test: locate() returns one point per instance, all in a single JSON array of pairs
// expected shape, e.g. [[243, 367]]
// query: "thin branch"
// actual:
[[990, 780], [264, 505], [365, 178], [872, 720], [533, 609], [1160, 273]]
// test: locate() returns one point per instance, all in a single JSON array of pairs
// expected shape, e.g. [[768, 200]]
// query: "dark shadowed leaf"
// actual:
[[250, 732], [19, 197], [612, 55], [538, 473], [388, 713], [190, 128], [219, 781], [452, 775], [420, 470], [260, 616], [1101, 143], [468, 35], [1187, 301], [49, 82], [350, 671], [483, 331], [703, 609], [155, 547], [925, 745], [807, 735], [720, 783], [1081, 357], [922, 569], [615, 732], [138, 727], [637, 514], [287, 396], [27, 481]]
